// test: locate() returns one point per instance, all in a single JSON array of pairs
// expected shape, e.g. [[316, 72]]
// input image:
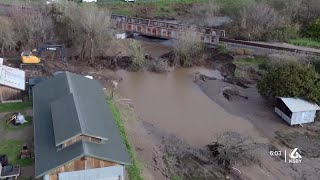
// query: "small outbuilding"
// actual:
[[296, 110], [12, 83]]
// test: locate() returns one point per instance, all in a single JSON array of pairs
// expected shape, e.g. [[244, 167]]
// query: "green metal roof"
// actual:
[[67, 105]]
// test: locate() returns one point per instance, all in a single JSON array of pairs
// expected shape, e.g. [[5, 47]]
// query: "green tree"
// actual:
[[314, 29], [290, 80]]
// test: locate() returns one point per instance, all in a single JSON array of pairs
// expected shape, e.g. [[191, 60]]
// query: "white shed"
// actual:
[[89, 0], [295, 110]]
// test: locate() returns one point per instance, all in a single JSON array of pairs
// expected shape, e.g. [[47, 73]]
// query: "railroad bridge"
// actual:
[[163, 29]]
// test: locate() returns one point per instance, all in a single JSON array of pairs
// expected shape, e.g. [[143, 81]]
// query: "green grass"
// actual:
[[134, 171], [7, 107], [306, 42], [10, 127], [251, 61], [175, 177], [12, 148], [162, 9]]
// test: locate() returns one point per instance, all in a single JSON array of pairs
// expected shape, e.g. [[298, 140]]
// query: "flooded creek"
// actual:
[[174, 102]]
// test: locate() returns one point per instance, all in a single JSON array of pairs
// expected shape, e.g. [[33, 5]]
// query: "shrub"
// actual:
[[187, 48], [232, 7], [222, 49], [290, 79], [238, 51], [158, 65], [308, 42], [247, 52], [137, 55], [314, 29], [284, 34]]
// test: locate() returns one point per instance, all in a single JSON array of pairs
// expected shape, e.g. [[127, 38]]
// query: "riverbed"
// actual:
[[172, 101]]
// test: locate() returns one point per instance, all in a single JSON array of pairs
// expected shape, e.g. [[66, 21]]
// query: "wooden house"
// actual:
[[76, 137]]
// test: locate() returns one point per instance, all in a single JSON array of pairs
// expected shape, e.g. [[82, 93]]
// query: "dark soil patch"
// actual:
[[113, 63], [223, 63]]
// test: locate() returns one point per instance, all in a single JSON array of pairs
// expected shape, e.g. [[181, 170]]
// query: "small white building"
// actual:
[[89, 0], [295, 110], [12, 83], [121, 35]]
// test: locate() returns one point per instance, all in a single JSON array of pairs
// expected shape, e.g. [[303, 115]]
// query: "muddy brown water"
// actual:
[[174, 102]]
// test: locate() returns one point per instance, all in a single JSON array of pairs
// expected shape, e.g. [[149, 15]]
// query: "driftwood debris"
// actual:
[[232, 94], [202, 77]]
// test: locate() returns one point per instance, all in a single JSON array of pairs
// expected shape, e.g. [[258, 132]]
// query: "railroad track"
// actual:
[[269, 46]]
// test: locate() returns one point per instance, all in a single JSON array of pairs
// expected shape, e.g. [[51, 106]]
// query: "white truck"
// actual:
[[9, 172]]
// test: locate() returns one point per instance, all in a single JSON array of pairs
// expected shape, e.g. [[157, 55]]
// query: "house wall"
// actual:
[[79, 138], [8, 94], [303, 117], [283, 115], [80, 164], [283, 108]]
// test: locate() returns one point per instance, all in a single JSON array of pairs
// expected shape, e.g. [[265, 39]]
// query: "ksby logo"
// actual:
[[295, 156]]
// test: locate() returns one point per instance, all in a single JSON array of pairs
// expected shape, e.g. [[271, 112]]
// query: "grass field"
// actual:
[[251, 61], [161, 9], [10, 127], [134, 171], [12, 149], [7, 107], [306, 42]]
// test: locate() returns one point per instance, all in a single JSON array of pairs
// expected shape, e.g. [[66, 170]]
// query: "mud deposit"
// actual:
[[180, 117]]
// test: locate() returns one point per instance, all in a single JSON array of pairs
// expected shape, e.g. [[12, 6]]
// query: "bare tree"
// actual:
[[231, 148], [31, 28], [258, 19], [88, 26], [187, 47], [7, 35], [205, 14]]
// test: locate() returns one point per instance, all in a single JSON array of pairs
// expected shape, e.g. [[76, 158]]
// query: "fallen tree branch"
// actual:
[[123, 100], [236, 169]]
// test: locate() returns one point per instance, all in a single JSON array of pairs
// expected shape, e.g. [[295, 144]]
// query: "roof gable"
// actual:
[[65, 116]]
